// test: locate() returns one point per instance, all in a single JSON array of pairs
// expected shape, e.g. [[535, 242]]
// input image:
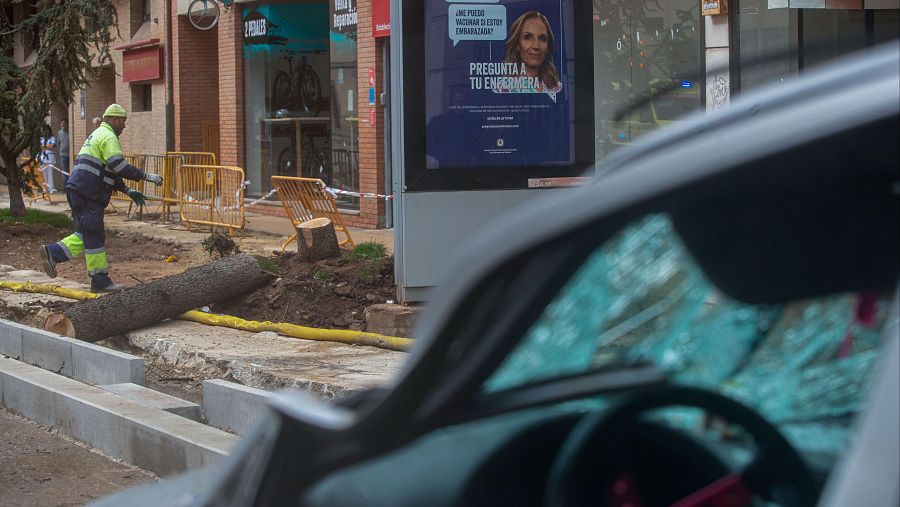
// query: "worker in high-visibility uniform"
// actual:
[[98, 170]]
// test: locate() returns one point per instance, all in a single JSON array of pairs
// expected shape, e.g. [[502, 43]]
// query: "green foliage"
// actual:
[[324, 275], [73, 38], [269, 266], [36, 216], [218, 245], [369, 250], [369, 271]]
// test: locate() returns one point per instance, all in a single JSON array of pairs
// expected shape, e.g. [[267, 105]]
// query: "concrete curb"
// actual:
[[155, 399], [144, 436], [76, 359], [11, 338], [233, 407]]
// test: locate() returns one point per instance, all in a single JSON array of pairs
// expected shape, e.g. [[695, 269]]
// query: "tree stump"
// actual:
[[149, 303], [316, 240]]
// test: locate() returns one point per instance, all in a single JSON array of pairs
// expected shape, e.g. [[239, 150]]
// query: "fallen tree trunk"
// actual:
[[162, 299]]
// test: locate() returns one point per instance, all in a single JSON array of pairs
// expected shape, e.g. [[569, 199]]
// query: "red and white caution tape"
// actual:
[[253, 203], [263, 198], [56, 169], [336, 192]]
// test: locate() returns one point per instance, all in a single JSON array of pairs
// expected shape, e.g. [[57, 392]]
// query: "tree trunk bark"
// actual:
[[316, 240], [152, 302], [14, 184]]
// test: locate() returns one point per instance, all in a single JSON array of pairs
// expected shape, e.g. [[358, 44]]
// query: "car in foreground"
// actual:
[[711, 322]]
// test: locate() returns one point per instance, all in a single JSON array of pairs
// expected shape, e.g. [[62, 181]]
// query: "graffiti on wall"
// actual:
[[718, 79]]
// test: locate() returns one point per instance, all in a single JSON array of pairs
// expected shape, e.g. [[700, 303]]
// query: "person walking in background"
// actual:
[[62, 143], [98, 170], [47, 157], [96, 123]]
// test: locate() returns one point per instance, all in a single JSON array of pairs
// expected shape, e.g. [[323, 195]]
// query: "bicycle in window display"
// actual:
[[316, 163], [299, 88]]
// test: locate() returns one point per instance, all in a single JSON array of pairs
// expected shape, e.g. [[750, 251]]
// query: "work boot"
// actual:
[[113, 287], [47, 262], [101, 283]]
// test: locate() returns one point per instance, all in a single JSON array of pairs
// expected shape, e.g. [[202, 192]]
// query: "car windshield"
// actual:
[[641, 299]]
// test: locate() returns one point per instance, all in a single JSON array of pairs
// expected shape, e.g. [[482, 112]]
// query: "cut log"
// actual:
[[316, 240], [149, 303]]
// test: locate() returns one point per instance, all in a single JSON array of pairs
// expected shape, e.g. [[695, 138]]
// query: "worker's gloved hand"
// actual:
[[154, 178], [137, 197]]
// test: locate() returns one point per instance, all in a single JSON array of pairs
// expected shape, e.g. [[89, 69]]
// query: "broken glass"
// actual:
[[641, 298]]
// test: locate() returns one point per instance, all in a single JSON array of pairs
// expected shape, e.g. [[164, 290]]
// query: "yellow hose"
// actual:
[[290, 330]]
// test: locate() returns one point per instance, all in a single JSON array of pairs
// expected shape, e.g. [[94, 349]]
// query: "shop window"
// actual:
[[768, 38], [139, 14], [776, 43], [300, 85], [141, 98], [644, 50], [885, 25], [828, 33]]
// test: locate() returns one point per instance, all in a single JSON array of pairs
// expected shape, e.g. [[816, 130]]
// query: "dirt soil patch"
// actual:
[[40, 467], [132, 257], [330, 294]]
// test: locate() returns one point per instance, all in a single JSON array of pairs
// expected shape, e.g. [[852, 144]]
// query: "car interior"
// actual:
[[711, 343], [705, 325]]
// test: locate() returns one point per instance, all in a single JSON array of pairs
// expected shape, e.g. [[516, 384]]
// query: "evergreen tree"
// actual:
[[72, 37]]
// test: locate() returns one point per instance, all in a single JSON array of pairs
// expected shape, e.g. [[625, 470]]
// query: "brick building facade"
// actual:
[[211, 84], [199, 99], [141, 22]]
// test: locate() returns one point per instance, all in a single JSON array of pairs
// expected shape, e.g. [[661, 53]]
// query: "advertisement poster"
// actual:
[[498, 83]]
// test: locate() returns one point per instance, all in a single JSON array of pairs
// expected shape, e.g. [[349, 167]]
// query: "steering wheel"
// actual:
[[616, 458]]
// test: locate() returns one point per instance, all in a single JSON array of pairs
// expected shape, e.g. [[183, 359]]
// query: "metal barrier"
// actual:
[[194, 157], [36, 183], [305, 199], [167, 193], [211, 195], [172, 176]]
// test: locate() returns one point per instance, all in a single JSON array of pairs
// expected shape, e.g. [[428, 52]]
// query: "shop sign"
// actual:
[[344, 16], [713, 7], [260, 31], [372, 116], [490, 107], [381, 18], [142, 64], [286, 29], [256, 29]]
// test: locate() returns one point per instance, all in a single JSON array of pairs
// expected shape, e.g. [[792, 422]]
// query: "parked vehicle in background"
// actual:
[[712, 322], [665, 107]]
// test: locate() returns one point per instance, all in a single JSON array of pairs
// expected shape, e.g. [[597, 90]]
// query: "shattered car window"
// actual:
[[642, 299]]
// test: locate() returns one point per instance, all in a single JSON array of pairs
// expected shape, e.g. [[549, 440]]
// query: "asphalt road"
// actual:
[[41, 468]]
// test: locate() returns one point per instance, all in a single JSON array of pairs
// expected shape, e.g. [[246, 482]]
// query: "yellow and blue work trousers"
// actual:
[[89, 238]]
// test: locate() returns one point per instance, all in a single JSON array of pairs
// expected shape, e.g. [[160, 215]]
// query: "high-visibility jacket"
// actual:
[[100, 167]]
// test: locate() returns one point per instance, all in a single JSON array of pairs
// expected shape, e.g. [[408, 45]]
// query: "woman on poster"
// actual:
[[530, 46]]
